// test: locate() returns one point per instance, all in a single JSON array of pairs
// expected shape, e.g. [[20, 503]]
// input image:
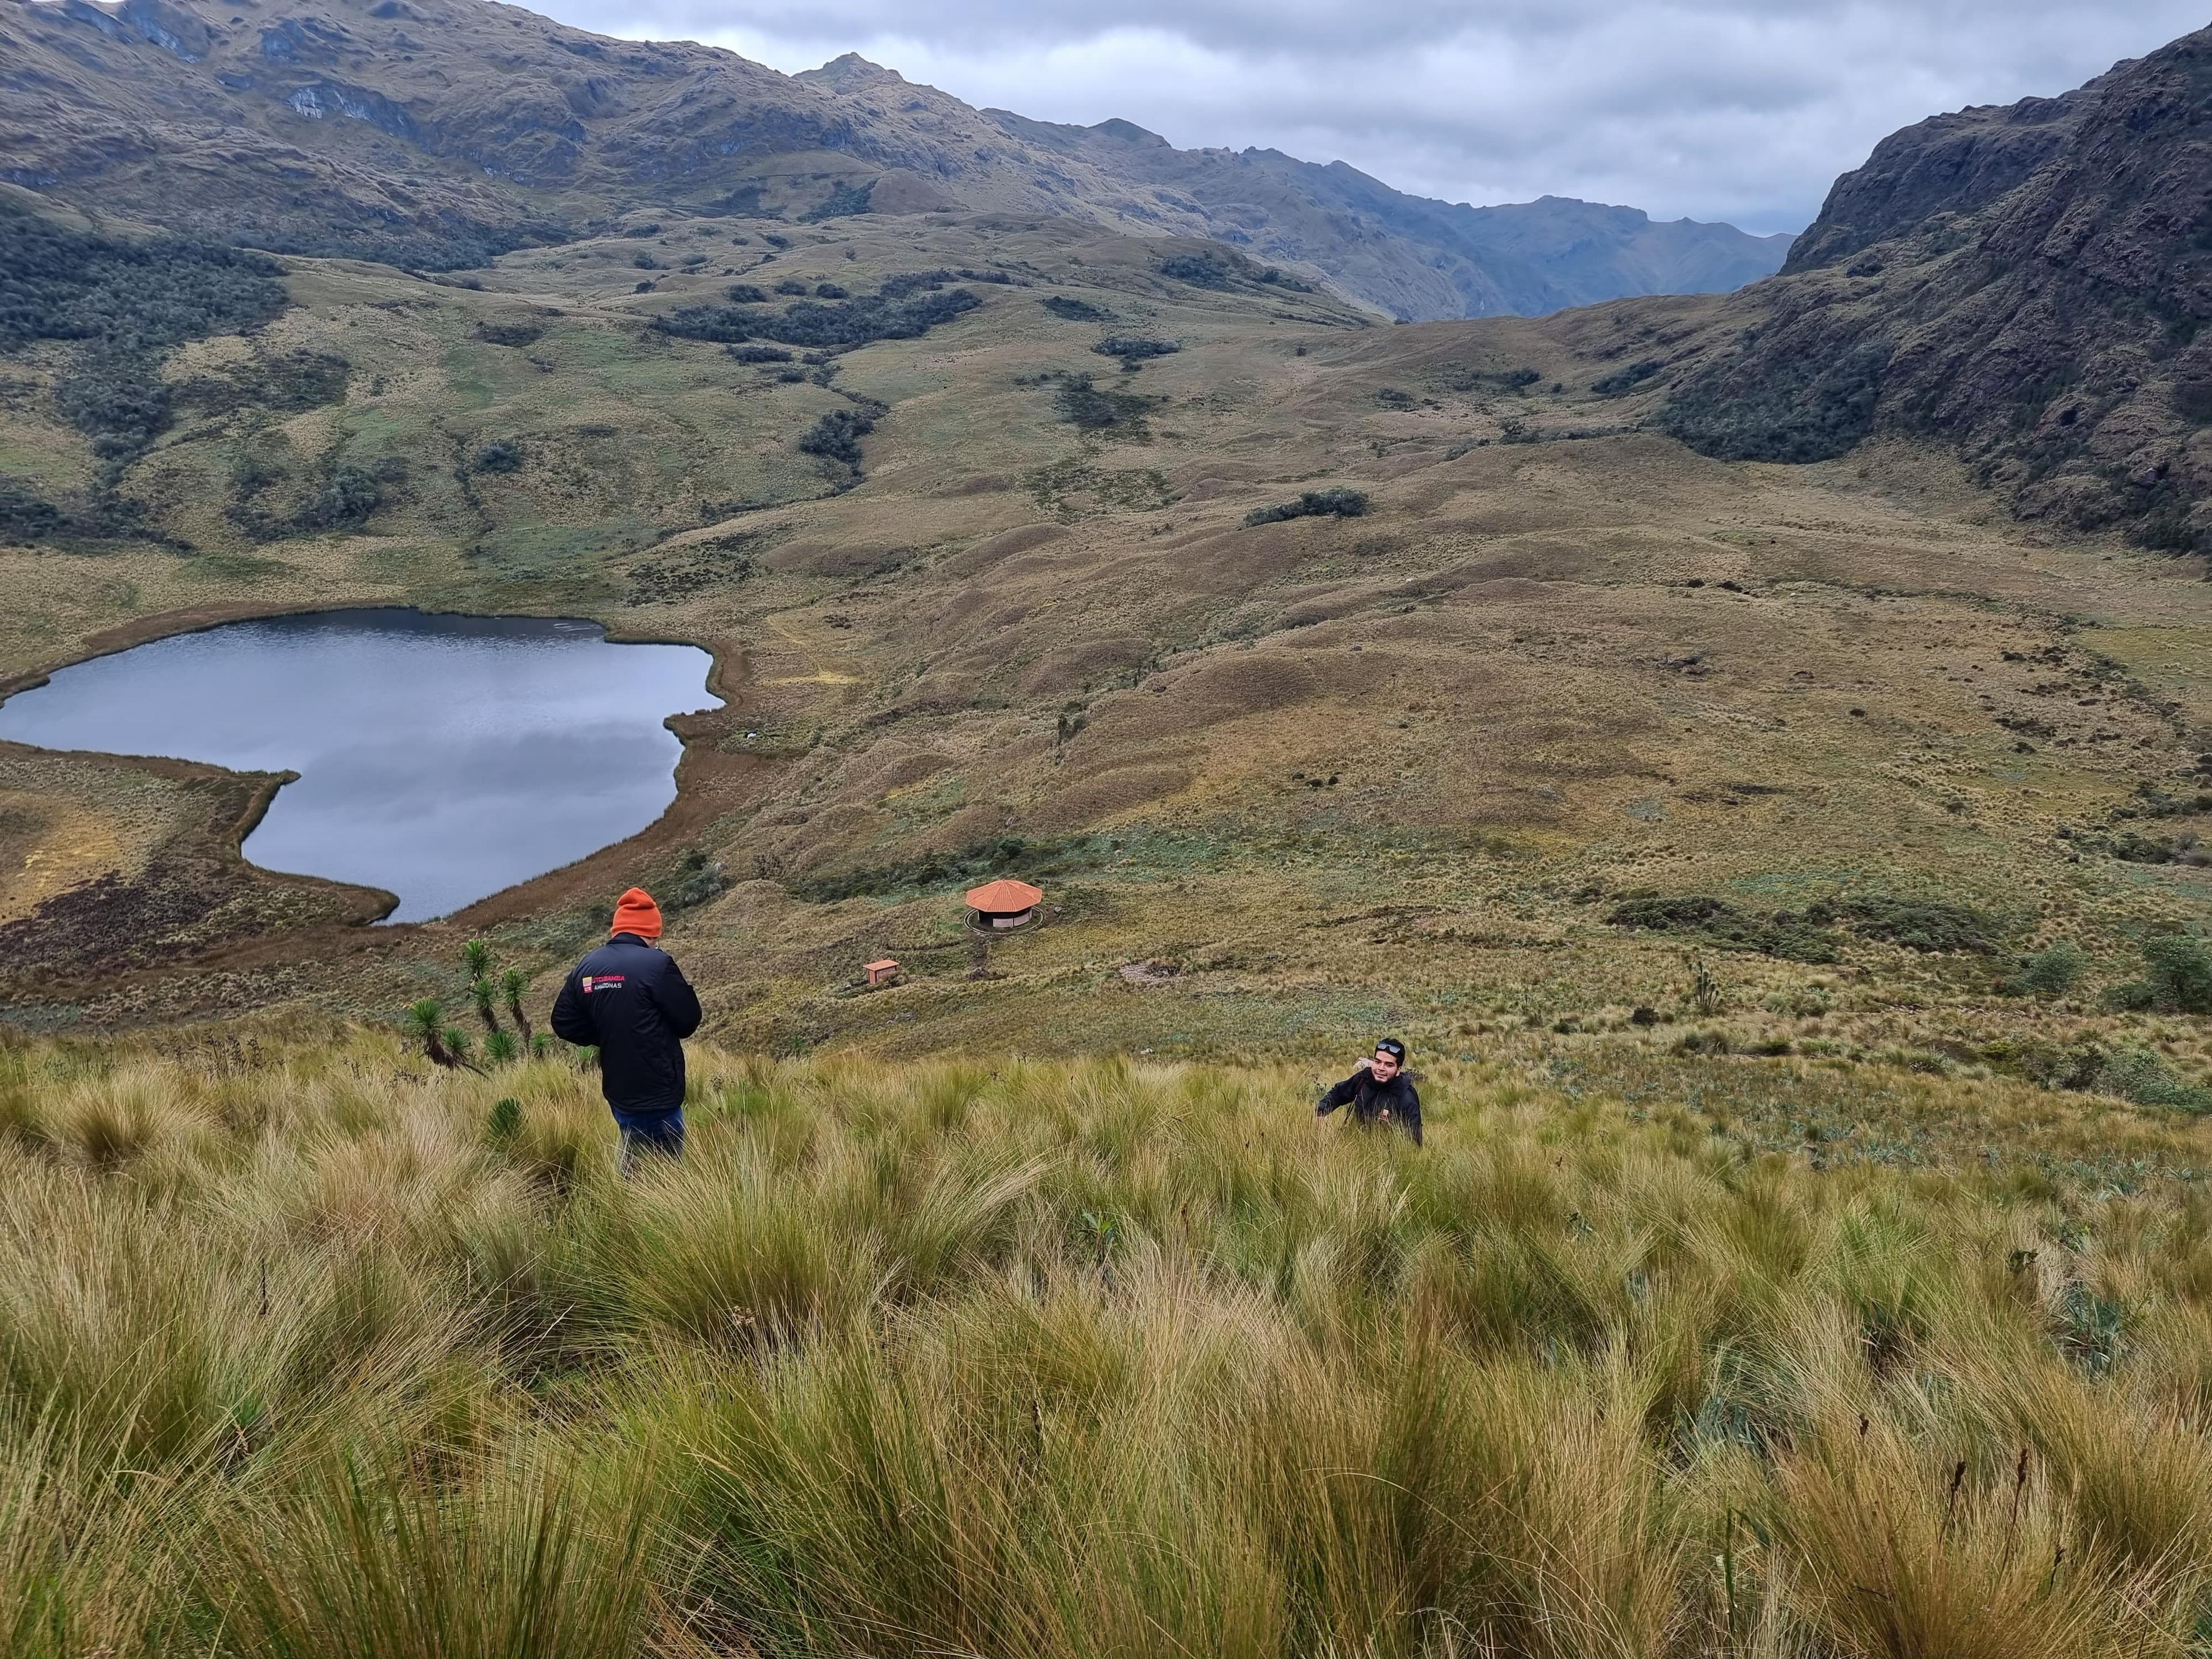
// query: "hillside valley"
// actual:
[[1326, 674], [1409, 768]]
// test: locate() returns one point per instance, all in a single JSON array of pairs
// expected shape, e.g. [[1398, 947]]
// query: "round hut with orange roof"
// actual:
[[1003, 903]]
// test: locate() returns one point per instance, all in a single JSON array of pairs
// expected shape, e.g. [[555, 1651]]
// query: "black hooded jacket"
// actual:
[[631, 1002], [1369, 1100]]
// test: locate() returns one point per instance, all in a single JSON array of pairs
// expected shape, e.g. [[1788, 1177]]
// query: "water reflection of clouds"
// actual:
[[443, 758]]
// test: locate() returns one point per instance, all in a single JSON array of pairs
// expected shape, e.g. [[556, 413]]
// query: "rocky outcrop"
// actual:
[[2027, 284]]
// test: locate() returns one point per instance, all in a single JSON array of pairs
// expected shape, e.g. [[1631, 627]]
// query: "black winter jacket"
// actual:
[[1369, 1100], [630, 1001]]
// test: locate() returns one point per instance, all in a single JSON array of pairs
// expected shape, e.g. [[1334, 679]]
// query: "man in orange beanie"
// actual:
[[630, 1001]]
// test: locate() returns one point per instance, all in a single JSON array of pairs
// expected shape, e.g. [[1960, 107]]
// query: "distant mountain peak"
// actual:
[[443, 132], [849, 70], [1128, 132]]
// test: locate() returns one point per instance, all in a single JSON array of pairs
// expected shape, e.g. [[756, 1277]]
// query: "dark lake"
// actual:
[[441, 758]]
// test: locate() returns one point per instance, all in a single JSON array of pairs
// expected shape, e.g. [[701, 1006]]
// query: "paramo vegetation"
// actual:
[[314, 1349]]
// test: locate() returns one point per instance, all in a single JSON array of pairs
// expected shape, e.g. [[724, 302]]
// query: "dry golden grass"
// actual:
[[303, 1351]]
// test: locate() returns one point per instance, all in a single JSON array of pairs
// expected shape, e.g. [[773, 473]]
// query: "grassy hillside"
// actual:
[[1568, 723], [307, 1350]]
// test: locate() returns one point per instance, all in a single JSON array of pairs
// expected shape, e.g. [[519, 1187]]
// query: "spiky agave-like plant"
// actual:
[[482, 992], [512, 985], [476, 956], [426, 1021], [499, 1047]]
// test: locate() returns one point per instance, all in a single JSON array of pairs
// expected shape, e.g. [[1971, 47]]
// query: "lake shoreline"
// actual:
[[349, 830]]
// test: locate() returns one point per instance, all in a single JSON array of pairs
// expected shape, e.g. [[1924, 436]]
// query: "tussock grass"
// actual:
[[304, 1351]]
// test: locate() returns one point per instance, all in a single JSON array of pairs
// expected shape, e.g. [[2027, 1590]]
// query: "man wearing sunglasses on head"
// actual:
[[1380, 1093]]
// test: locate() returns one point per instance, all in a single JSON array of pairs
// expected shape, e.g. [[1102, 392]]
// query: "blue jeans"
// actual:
[[650, 1134]]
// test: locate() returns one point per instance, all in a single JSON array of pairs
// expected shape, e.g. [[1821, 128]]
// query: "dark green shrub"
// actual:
[[697, 879], [1692, 913], [644, 262], [2142, 1076], [25, 517], [747, 293], [114, 394], [1915, 924], [2050, 972], [1133, 348], [1390, 397], [791, 285], [290, 381], [499, 455], [649, 229], [1807, 407], [819, 324], [843, 200], [1074, 310], [508, 332], [902, 284], [831, 291], [836, 436], [60, 284], [1331, 503], [758, 354], [2052, 1064], [347, 495], [2133, 846], [1790, 935], [2178, 974], [1199, 270], [1082, 405], [1623, 380]]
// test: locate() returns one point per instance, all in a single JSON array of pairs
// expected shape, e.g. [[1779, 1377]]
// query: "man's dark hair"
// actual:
[[1393, 1047]]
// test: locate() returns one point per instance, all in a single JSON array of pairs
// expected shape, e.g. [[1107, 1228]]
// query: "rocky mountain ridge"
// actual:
[[437, 133], [2029, 285]]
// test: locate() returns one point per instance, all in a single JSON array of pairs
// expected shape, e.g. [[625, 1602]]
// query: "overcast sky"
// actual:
[[1737, 110]]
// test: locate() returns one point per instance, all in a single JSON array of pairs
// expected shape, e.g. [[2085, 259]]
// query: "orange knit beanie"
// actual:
[[636, 912]]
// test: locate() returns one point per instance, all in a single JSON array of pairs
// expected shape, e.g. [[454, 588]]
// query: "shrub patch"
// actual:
[[1337, 503], [1808, 935], [824, 324]]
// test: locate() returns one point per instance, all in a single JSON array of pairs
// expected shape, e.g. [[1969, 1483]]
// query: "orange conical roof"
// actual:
[[1002, 897]]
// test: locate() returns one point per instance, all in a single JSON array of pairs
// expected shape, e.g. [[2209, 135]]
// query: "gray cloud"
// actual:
[[1742, 110]]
